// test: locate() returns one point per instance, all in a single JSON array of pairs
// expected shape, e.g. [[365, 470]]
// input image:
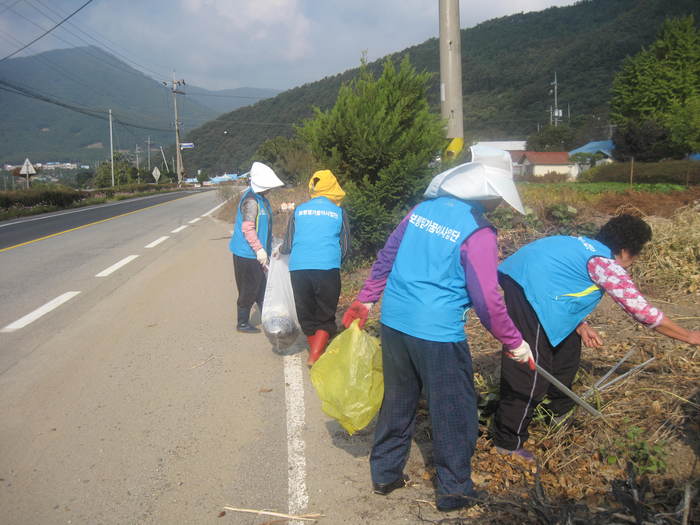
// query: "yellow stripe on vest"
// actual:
[[587, 291]]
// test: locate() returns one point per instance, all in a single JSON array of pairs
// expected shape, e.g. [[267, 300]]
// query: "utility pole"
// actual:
[[148, 151], [451, 74], [165, 161], [111, 147], [557, 112], [138, 175], [180, 169]]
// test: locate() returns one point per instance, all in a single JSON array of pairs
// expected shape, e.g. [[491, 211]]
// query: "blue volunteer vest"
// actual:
[[263, 226], [426, 294], [316, 243], [553, 274]]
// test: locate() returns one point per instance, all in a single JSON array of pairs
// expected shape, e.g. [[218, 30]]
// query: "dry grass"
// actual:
[[671, 261], [656, 409]]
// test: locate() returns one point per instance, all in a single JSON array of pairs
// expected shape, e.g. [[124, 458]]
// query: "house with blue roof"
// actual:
[[599, 146]]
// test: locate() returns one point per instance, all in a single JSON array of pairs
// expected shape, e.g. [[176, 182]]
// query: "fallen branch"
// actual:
[[303, 517], [203, 362]]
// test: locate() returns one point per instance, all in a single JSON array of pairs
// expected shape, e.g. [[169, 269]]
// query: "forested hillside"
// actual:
[[508, 65], [89, 78]]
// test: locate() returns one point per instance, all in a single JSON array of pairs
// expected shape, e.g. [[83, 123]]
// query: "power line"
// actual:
[[47, 32], [228, 96], [92, 37], [95, 113], [82, 49], [10, 6]]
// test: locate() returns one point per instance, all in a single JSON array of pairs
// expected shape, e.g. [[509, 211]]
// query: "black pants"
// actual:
[[316, 294], [250, 281], [444, 372], [523, 389]]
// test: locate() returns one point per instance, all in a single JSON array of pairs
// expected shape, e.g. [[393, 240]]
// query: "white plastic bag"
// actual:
[[279, 315]]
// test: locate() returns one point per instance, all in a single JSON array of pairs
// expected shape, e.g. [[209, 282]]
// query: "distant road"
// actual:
[[27, 229]]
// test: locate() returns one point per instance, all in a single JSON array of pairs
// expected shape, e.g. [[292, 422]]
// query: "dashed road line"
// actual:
[[213, 209], [179, 229], [157, 241], [42, 310], [116, 266], [195, 220]]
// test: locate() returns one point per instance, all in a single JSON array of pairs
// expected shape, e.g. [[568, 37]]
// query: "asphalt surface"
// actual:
[[136, 401], [26, 229]]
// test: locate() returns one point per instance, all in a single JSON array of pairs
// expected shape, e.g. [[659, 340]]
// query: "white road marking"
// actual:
[[157, 241], [296, 460], [179, 229], [115, 267], [213, 209], [42, 310], [195, 220]]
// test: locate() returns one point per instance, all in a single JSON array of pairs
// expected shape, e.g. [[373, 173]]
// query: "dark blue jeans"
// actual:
[[444, 372]]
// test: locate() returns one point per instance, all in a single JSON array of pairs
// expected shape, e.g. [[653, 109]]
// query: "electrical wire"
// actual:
[[100, 42], [48, 31], [10, 6], [95, 113]]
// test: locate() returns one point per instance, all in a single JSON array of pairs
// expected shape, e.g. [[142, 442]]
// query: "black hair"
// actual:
[[625, 232]]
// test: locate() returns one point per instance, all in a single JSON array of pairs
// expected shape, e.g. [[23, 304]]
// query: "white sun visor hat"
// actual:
[[488, 176], [263, 178]]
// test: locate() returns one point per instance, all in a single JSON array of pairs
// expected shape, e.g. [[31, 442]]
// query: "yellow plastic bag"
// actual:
[[348, 378]]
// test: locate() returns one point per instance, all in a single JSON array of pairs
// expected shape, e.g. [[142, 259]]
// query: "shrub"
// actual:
[[379, 140], [684, 172], [58, 197]]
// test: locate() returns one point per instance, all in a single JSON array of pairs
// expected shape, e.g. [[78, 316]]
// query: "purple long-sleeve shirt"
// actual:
[[479, 258]]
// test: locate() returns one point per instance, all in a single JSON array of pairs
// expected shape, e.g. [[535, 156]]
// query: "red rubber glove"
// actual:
[[357, 310]]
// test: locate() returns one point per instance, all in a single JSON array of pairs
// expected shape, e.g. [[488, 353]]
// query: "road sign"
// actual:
[[156, 173], [27, 168], [186, 145]]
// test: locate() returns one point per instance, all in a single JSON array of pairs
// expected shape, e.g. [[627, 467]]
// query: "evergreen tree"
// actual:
[[124, 172], [658, 88], [379, 139], [552, 138], [290, 158]]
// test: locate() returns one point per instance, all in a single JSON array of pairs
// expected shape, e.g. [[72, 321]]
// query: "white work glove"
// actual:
[[522, 354], [261, 256], [275, 252]]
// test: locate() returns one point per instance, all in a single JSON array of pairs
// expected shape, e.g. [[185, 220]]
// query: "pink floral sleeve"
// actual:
[[616, 282]]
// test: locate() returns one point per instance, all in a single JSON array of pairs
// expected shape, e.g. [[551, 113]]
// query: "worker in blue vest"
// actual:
[[550, 286], [317, 240], [438, 262], [250, 243]]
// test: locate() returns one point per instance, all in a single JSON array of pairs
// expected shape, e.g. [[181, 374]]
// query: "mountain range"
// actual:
[[70, 91], [508, 68]]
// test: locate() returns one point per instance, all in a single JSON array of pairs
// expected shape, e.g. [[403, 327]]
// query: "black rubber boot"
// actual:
[[244, 322]]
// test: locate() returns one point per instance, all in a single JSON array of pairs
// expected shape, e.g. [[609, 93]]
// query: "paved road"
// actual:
[[27, 229], [136, 401]]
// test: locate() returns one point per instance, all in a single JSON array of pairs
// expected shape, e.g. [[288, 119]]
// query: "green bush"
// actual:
[[685, 172], [53, 197], [379, 139]]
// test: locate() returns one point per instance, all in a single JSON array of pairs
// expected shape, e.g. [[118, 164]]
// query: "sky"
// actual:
[[220, 44]]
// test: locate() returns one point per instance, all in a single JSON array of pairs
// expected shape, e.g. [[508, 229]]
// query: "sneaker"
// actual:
[[450, 503], [247, 328], [522, 452], [386, 488]]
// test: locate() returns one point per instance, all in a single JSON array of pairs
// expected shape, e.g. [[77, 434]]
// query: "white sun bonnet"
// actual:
[[263, 178], [488, 176]]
